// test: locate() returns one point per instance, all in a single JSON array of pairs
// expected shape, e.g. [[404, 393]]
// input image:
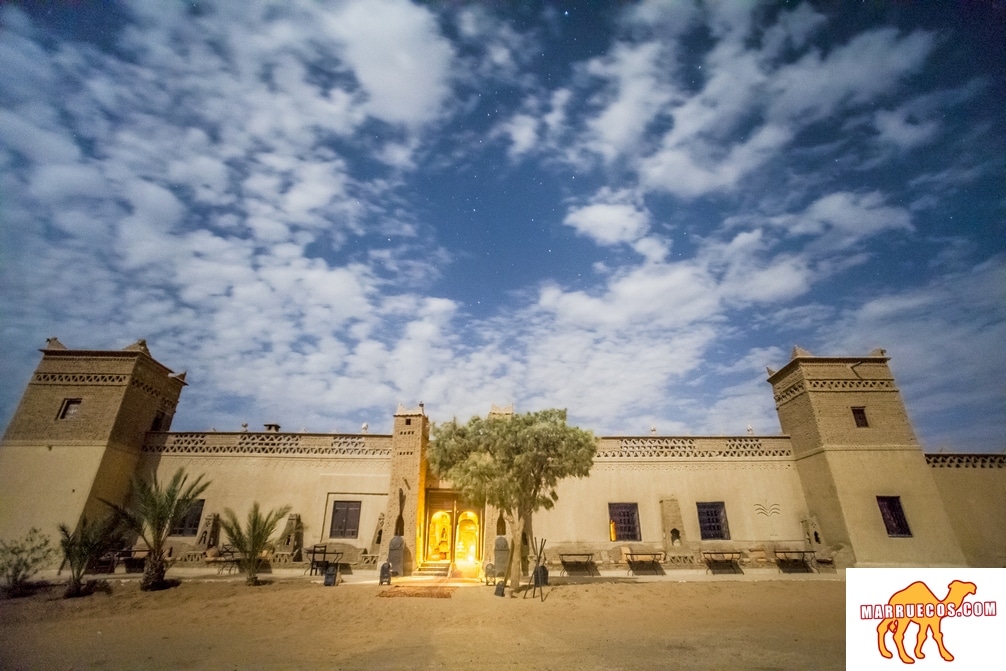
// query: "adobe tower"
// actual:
[[76, 435], [407, 488], [863, 473]]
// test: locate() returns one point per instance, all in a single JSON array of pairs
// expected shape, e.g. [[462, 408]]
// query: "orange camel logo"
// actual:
[[917, 603]]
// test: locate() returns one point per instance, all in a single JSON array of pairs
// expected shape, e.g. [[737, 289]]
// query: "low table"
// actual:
[[795, 558], [577, 560], [318, 561], [723, 559], [638, 560]]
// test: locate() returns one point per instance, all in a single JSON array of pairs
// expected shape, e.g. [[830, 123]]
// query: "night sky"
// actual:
[[322, 210]]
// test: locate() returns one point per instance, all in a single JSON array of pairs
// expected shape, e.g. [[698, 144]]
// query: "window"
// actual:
[[159, 422], [894, 516], [69, 408], [189, 525], [859, 414], [623, 521], [345, 519], [713, 521]]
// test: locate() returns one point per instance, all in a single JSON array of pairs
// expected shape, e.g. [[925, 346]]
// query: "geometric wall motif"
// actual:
[[834, 385], [694, 448], [78, 378], [262, 443], [966, 460]]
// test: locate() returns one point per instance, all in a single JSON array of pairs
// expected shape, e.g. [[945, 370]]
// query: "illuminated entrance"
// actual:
[[453, 531]]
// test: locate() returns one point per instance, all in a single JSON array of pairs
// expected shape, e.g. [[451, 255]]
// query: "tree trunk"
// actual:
[[529, 532], [252, 566], [153, 572], [516, 526]]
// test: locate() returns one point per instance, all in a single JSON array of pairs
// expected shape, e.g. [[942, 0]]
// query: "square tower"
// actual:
[[76, 435], [407, 485], [862, 470]]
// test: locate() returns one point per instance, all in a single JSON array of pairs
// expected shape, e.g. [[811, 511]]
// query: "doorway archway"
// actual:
[[453, 531]]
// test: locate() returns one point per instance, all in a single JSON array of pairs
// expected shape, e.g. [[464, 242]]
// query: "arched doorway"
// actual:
[[453, 532], [466, 545], [438, 537]]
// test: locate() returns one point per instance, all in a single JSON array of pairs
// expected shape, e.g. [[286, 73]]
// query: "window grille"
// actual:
[[345, 519], [713, 521], [623, 519], [894, 517]]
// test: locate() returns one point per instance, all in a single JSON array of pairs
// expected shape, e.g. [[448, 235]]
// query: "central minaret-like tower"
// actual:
[[407, 488]]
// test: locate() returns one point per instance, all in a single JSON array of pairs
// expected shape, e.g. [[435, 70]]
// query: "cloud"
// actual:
[[841, 220], [635, 94], [818, 85], [522, 129], [36, 143], [898, 128], [398, 56], [610, 218]]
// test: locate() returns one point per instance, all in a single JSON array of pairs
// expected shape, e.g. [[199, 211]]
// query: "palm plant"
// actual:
[[152, 513], [254, 538], [82, 546]]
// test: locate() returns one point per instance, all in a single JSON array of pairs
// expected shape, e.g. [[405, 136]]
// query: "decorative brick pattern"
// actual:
[[851, 385], [263, 443], [966, 460], [832, 385], [146, 388], [78, 378], [694, 448], [789, 392]]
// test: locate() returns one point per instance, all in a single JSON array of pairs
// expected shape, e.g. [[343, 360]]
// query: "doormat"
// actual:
[[423, 592]]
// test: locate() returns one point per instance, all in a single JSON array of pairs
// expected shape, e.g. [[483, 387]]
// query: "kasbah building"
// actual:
[[844, 484]]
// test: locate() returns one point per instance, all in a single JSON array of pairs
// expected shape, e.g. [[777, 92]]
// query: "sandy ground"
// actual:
[[294, 622]]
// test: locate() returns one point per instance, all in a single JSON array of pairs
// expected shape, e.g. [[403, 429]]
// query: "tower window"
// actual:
[[623, 521], [159, 422], [894, 516], [713, 521], [859, 415], [345, 519], [69, 408]]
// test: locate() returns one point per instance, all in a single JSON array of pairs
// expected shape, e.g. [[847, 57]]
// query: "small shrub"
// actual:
[[83, 546], [253, 539], [22, 559]]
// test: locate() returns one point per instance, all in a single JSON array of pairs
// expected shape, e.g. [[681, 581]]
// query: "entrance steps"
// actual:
[[434, 569]]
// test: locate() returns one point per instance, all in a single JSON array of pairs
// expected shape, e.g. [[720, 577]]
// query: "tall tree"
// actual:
[[514, 463], [152, 512], [252, 539]]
